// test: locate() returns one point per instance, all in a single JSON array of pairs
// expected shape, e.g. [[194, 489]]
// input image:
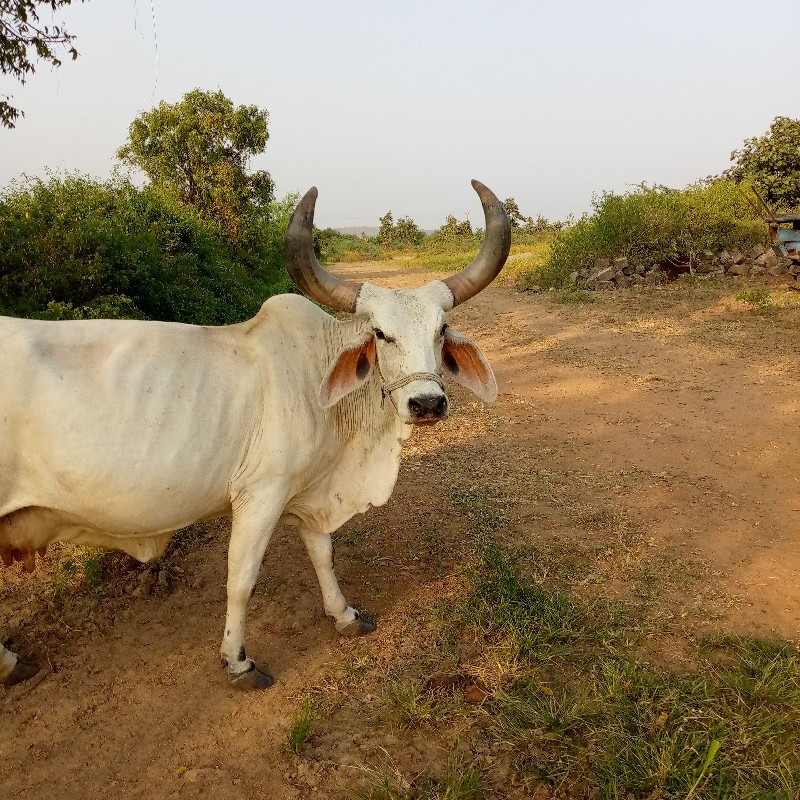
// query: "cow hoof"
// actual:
[[361, 625], [253, 679], [21, 672]]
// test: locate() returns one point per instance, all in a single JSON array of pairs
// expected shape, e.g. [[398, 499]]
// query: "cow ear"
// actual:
[[349, 370], [468, 366]]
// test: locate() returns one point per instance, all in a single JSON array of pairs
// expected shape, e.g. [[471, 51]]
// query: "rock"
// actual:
[[601, 263], [573, 277], [724, 257], [703, 267], [163, 578], [756, 251], [761, 260], [605, 284], [639, 269], [604, 274], [770, 260], [737, 256], [621, 280], [639, 280], [739, 268], [620, 265], [707, 255], [757, 269]]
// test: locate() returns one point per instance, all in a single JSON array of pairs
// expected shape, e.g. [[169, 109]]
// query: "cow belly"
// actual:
[[27, 530]]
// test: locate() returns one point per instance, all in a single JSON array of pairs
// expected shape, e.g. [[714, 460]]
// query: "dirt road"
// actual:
[[649, 438]]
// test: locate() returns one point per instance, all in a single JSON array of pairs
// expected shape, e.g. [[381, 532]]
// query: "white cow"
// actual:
[[117, 433]]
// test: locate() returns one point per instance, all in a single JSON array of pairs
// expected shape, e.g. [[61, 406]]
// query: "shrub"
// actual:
[[74, 247], [331, 246], [652, 225]]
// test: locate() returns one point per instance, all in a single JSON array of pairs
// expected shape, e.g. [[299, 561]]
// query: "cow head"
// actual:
[[406, 339]]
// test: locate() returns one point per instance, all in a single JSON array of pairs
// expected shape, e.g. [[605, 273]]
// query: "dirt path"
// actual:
[[651, 437]]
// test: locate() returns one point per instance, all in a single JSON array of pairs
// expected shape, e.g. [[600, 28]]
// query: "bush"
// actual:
[[653, 225], [404, 233], [331, 246], [74, 248]]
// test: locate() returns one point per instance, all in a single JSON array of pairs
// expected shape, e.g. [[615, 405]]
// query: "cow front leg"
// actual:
[[13, 669], [253, 523], [348, 621]]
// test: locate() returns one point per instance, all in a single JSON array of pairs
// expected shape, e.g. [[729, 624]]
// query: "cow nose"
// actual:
[[428, 406]]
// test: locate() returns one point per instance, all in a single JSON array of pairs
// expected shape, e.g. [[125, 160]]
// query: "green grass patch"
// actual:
[[462, 780], [302, 726], [758, 298], [415, 704], [570, 707], [583, 711]]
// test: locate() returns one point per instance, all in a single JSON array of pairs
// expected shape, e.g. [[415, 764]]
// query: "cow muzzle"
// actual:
[[427, 409]]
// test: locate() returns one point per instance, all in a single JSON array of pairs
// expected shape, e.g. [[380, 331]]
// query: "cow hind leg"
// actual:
[[13, 669], [349, 622], [253, 522]]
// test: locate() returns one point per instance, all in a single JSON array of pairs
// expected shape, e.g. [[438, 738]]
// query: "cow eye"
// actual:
[[379, 333]]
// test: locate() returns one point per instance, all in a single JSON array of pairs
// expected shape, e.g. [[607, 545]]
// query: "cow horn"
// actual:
[[310, 277], [486, 266]]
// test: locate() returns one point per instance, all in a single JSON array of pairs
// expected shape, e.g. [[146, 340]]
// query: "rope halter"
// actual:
[[388, 388]]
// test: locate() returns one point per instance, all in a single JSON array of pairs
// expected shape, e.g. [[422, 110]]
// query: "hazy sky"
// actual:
[[396, 105]]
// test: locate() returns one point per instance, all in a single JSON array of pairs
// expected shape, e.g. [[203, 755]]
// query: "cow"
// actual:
[[116, 433]]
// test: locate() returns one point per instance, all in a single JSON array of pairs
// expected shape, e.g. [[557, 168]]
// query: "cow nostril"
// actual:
[[415, 407], [441, 406]]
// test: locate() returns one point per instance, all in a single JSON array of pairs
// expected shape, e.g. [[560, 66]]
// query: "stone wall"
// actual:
[[757, 261]]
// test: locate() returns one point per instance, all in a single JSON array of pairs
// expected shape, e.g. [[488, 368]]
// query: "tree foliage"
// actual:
[[199, 150], [23, 38], [74, 248], [403, 233], [514, 214], [772, 163], [453, 235]]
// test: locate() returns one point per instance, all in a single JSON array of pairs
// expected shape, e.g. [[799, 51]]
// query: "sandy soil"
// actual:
[[650, 436]]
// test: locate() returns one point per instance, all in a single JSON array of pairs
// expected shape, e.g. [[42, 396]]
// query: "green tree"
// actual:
[[452, 234], [407, 233], [23, 38], [386, 230], [403, 233], [514, 214], [199, 150], [772, 163]]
